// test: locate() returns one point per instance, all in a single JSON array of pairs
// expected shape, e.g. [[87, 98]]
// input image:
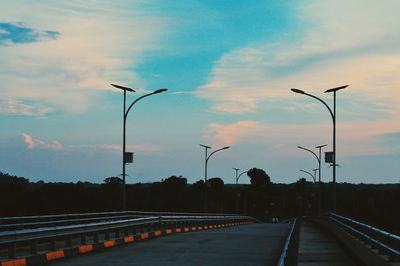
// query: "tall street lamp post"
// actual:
[[125, 115], [333, 115], [207, 157]]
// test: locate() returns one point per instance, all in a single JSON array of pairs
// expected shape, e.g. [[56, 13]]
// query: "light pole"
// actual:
[[319, 161], [205, 170], [313, 177], [333, 115], [316, 156], [237, 178], [315, 174], [125, 115]]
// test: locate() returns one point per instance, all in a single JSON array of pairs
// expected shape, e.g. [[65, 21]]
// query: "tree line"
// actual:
[[373, 204]]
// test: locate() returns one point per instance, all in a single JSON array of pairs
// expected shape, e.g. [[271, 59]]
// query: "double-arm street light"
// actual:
[[316, 156], [125, 115], [207, 157], [333, 115]]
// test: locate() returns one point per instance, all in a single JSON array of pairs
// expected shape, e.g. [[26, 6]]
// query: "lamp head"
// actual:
[[160, 91], [321, 146], [297, 91], [205, 146], [227, 147], [337, 88], [123, 88]]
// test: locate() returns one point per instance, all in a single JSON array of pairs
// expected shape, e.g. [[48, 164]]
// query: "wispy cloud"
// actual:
[[98, 43], [33, 143], [12, 33], [18, 107], [342, 43], [36, 143], [229, 134]]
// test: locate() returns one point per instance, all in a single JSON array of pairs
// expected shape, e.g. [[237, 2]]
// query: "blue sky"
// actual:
[[229, 67]]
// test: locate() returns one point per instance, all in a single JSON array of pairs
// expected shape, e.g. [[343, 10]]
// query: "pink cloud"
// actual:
[[36, 143], [233, 133]]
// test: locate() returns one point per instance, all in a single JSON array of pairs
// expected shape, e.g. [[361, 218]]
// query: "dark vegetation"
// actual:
[[377, 205]]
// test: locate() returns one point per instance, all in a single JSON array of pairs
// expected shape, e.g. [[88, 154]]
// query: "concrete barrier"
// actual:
[[361, 252]]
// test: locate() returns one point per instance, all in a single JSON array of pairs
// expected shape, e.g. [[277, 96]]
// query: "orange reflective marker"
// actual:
[[168, 231], [186, 229], [200, 228], [84, 249], [19, 262], [157, 233], [110, 243], [178, 230], [205, 227], [193, 228], [55, 255], [128, 239], [144, 236]]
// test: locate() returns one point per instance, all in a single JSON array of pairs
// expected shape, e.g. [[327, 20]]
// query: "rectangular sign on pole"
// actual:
[[128, 157], [329, 157]]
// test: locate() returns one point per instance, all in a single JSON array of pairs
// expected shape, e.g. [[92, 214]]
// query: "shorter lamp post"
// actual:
[[236, 174], [207, 157], [238, 193], [237, 179]]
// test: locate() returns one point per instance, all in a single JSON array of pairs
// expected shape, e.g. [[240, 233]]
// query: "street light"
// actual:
[[313, 177], [125, 115], [205, 169], [237, 179], [316, 156], [238, 176], [333, 115]]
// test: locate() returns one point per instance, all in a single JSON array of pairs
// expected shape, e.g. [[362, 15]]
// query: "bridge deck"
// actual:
[[256, 244], [318, 247]]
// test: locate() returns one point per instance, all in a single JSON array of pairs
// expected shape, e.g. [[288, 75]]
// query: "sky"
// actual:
[[228, 67]]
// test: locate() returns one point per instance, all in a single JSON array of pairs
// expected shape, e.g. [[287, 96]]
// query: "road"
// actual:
[[255, 244]]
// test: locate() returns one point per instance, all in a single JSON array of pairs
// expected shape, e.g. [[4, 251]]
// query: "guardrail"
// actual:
[[28, 242], [24, 222], [290, 249], [386, 243]]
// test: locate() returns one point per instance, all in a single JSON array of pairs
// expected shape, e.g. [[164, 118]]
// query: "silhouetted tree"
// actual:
[[258, 177], [216, 183], [113, 181]]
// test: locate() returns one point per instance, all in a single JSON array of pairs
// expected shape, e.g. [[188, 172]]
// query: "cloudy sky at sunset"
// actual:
[[228, 66]]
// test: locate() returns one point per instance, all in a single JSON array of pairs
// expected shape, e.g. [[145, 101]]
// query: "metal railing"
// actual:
[[24, 222], [290, 249], [386, 243], [53, 235]]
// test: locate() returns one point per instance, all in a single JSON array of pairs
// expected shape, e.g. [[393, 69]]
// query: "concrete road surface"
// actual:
[[255, 244]]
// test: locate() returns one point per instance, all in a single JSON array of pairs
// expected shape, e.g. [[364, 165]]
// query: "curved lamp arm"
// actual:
[[316, 156], [327, 106], [224, 148], [315, 97], [309, 174], [155, 92], [241, 175]]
